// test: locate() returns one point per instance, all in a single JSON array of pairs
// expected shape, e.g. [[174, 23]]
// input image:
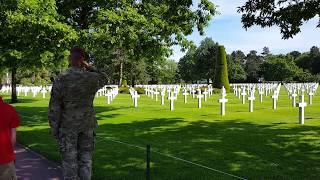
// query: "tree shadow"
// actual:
[[249, 150], [241, 148]]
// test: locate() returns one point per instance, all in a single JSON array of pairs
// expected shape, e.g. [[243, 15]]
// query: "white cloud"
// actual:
[[228, 8], [227, 30]]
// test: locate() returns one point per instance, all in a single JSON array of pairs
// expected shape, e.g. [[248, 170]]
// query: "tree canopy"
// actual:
[[30, 34], [289, 15]]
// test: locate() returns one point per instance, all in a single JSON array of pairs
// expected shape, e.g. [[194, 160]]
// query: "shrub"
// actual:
[[124, 90], [140, 90], [216, 91], [221, 70], [124, 83]]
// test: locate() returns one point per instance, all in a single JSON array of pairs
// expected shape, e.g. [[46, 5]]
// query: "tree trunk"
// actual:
[[208, 80], [121, 73], [14, 98]]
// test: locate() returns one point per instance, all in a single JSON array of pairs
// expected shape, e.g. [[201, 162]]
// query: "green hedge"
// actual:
[[124, 90], [221, 70], [140, 90]]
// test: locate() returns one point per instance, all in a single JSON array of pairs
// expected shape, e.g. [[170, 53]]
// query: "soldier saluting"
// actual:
[[72, 117]]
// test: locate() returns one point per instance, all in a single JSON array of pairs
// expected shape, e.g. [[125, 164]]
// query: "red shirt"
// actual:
[[8, 119]]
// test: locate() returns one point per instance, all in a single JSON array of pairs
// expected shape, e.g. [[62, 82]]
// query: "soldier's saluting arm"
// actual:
[[55, 108], [101, 76]]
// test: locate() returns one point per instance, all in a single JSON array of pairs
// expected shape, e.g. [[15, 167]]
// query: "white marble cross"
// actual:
[[301, 106], [199, 96], [251, 98], [185, 95], [135, 97], [162, 94], [274, 101], [310, 97], [205, 93], [44, 91], [152, 94], [172, 98], [193, 93], [261, 92], [294, 95], [109, 96], [243, 95], [223, 102], [156, 94]]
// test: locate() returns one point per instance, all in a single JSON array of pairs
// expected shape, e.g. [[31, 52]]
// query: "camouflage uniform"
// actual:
[[72, 119]]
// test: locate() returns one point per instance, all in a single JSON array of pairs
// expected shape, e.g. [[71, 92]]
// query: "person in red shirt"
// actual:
[[9, 121]]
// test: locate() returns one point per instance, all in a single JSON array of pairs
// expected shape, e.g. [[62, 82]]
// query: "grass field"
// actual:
[[265, 144]]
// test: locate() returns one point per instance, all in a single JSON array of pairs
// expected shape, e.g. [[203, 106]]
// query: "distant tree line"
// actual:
[[198, 65]]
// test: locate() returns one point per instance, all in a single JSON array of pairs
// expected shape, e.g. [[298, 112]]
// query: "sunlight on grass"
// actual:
[[260, 145]]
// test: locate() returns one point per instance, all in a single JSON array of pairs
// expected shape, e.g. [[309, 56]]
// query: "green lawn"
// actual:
[[265, 144]]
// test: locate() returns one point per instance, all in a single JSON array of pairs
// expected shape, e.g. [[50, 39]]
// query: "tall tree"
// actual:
[[253, 62], [294, 54], [239, 56], [29, 29], [141, 29], [236, 72], [279, 68], [289, 15], [265, 51], [187, 67], [221, 70], [205, 58]]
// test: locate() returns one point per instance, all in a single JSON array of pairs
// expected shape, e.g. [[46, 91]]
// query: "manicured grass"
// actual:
[[265, 144]]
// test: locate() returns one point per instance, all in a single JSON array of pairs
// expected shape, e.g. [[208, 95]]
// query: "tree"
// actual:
[[186, 67], [205, 59], [236, 72], [253, 62], [140, 29], [265, 51], [310, 61], [289, 15], [239, 56], [221, 70], [314, 51], [279, 68], [168, 72], [294, 54], [28, 31]]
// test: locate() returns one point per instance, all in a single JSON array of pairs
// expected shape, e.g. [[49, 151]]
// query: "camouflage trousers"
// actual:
[[7, 171], [76, 150]]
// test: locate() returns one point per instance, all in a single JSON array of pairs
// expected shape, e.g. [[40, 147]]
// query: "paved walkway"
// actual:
[[33, 166]]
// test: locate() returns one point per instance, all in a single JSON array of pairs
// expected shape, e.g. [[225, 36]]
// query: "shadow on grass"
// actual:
[[234, 146], [241, 148], [36, 116]]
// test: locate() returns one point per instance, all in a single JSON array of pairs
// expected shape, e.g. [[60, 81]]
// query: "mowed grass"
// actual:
[[265, 144]]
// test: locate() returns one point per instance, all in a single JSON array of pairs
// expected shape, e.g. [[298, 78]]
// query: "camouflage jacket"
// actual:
[[71, 103]]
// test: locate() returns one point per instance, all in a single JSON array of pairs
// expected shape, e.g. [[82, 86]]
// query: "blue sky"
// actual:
[[226, 29]]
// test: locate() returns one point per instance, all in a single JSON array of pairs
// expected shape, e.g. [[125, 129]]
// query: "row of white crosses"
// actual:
[[6, 89], [293, 89], [242, 90], [105, 90], [134, 96], [110, 93], [275, 96], [152, 91], [35, 90]]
